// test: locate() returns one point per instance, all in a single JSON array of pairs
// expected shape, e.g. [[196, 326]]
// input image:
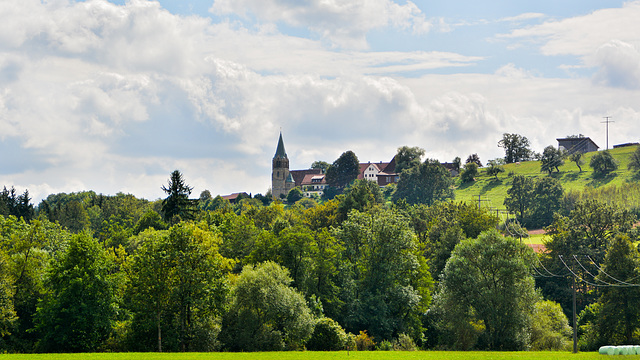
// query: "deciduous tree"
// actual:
[[552, 158], [587, 230], [474, 158], [78, 312], [265, 312], [487, 282], [494, 168], [424, 184], [520, 196], [457, 163], [294, 195], [344, 170], [322, 165], [634, 160], [547, 201], [619, 318], [470, 172], [550, 329], [603, 163], [7, 313], [385, 284], [361, 195], [516, 148], [408, 157], [576, 157], [177, 289]]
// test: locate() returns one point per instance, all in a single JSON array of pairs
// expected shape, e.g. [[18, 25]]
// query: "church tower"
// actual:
[[281, 180]]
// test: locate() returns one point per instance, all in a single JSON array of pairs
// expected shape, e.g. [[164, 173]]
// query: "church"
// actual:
[[312, 181], [281, 179]]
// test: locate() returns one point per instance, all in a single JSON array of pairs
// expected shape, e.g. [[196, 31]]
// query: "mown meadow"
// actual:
[[321, 355], [620, 187]]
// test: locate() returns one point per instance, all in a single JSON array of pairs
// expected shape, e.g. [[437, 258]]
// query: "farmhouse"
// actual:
[[577, 144]]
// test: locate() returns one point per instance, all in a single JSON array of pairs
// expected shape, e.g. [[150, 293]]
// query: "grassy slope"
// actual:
[[311, 355], [492, 192]]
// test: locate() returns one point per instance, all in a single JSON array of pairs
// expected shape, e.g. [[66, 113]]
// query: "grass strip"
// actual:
[[319, 355]]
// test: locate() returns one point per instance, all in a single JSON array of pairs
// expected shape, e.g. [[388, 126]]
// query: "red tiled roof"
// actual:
[[308, 179], [381, 166], [298, 175], [363, 167], [234, 196]]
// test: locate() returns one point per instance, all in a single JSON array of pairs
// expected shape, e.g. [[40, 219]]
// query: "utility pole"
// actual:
[[607, 121], [480, 200], [575, 322]]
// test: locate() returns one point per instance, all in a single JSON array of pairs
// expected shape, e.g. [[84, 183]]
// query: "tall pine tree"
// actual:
[[177, 206]]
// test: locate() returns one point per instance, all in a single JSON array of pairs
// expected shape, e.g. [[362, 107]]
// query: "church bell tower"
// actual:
[[281, 180]]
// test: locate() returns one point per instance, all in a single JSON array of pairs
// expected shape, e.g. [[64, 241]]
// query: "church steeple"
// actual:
[[280, 152], [281, 179]]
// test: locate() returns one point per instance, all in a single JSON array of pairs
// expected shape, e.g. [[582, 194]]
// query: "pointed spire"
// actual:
[[280, 152]]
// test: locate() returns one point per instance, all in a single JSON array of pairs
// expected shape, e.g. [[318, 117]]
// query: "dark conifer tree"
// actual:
[[177, 206]]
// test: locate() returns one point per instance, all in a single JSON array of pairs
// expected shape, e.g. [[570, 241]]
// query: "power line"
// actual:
[[576, 276], [602, 270], [575, 257], [621, 284], [535, 268]]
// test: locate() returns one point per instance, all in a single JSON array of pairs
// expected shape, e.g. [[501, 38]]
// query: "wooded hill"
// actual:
[[89, 272]]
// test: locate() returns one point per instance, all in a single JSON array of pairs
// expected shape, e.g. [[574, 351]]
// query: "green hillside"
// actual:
[[622, 186]]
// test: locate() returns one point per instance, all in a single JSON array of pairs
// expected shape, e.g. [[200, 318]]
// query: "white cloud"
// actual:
[[94, 93], [474, 111], [618, 64], [511, 71], [113, 98], [605, 39], [343, 23], [583, 35], [523, 17]]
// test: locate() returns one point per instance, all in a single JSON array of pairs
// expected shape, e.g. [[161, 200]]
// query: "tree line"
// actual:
[[367, 269]]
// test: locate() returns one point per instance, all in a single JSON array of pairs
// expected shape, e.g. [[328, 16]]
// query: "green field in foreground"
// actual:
[[317, 355]]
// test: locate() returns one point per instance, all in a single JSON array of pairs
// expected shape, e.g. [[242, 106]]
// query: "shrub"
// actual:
[[350, 342], [550, 330], [364, 342], [634, 160], [404, 343], [494, 168], [385, 345], [469, 173], [587, 331], [294, 195], [327, 335], [603, 163]]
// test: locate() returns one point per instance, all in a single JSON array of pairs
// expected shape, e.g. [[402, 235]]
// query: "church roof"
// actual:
[[299, 175], [280, 152], [290, 178]]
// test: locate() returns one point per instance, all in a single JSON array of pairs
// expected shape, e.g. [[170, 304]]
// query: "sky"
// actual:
[[112, 96]]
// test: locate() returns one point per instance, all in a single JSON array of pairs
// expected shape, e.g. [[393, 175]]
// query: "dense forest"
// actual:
[[367, 269]]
